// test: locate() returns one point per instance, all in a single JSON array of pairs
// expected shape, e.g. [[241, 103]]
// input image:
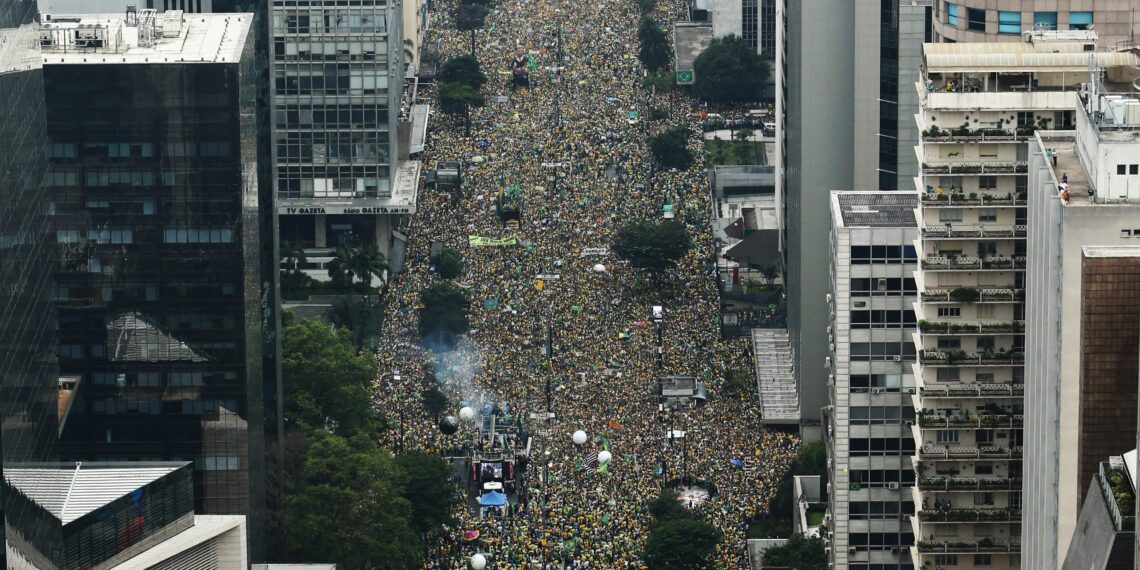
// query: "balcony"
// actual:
[[983, 545], [968, 484], [929, 419], [965, 452], [969, 515], [971, 390], [973, 295], [984, 231], [943, 263], [970, 327], [963, 358], [967, 135], [974, 166], [935, 199]]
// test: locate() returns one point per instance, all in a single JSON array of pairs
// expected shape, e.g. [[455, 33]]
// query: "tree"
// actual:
[[470, 16], [811, 459], [338, 267], [366, 263], [729, 71], [444, 314], [652, 246], [663, 81], [428, 489], [349, 507], [670, 148], [681, 544], [739, 381], [327, 383], [293, 256], [435, 401], [654, 49], [667, 507], [800, 552], [360, 317], [457, 99], [462, 69], [449, 263]]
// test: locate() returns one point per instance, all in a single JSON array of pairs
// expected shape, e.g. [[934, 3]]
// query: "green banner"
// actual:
[[684, 76], [480, 241]]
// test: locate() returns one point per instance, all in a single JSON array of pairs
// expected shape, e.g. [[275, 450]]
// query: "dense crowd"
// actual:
[[604, 366]]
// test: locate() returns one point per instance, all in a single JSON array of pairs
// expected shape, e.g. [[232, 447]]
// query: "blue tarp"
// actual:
[[493, 499]]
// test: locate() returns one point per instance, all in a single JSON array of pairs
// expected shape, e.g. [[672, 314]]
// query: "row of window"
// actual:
[[861, 254], [952, 559], [328, 51], [880, 540], [141, 150], [902, 351], [890, 286], [881, 414], [861, 446], [882, 319], [127, 235], [322, 117], [1009, 22], [873, 508], [154, 379], [330, 22]]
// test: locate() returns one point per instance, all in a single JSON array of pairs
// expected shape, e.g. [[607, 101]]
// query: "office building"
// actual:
[[848, 99], [127, 516], [1081, 308], [28, 372], [978, 21], [164, 270], [871, 381], [1105, 533], [338, 80]]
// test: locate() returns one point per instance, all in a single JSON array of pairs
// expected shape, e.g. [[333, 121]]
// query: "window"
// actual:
[[983, 559], [983, 469], [949, 311], [1121, 168], [948, 436], [1009, 22], [950, 343], [1134, 169], [952, 14], [1080, 20], [945, 559], [1045, 20], [948, 374], [977, 19], [949, 215], [987, 215], [987, 182], [983, 499], [985, 311], [987, 248]]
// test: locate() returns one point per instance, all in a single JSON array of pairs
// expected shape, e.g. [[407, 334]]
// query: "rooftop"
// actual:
[[145, 36], [70, 492], [875, 209], [1018, 57], [1114, 251], [779, 398], [689, 40]]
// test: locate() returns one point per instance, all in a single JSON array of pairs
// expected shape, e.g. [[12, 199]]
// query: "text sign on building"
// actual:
[[312, 210], [684, 77]]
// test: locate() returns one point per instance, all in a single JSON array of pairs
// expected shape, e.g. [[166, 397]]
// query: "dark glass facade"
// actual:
[[166, 297], [768, 29], [28, 374]]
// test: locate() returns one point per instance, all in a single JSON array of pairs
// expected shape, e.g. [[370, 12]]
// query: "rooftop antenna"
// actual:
[[1094, 88]]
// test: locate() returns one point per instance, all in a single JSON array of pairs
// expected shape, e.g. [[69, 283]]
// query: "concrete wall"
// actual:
[[1096, 543], [865, 95], [819, 159]]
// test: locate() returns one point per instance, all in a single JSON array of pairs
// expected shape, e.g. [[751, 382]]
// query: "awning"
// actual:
[[1016, 58], [493, 499]]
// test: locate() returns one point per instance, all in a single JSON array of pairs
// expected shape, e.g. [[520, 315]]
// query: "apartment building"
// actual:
[[980, 106], [871, 379], [1081, 308]]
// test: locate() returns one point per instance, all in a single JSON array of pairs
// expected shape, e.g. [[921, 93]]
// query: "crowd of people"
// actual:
[[601, 375]]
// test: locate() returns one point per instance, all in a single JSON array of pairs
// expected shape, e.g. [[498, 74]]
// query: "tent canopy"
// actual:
[[493, 499]]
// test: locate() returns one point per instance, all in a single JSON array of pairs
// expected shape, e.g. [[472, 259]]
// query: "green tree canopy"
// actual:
[[667, 507], [670, 148], [663, 81], [800, 552], [729, 71], [455, 98], [654, 49], [681, 544], [428, 489], [326, 382], [652, 246], [463, 69], [349, 507], [449, 263], [444, 314], [811, 459], [360, 317], [470, 16]]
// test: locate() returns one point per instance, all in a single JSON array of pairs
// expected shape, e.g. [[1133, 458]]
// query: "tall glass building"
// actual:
[[28, 374], [165, 267]]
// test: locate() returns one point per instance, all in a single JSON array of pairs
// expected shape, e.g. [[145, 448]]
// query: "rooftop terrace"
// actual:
[[144, 36]]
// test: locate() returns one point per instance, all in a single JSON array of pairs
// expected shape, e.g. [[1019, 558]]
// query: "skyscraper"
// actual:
[[337, 82], [28, 373], [871, 380], [165, 268]]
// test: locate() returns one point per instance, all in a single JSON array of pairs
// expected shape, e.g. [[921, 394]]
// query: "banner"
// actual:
[[588, 251], [480, 241]]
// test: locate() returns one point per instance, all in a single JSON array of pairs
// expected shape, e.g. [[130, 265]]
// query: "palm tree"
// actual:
[[293, 256], [367, 262], [340, 267]]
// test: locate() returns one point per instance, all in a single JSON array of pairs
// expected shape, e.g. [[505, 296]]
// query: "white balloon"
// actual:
[[599, 268], [478, 562], [579, 437], [466, 413], [604, 457]]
